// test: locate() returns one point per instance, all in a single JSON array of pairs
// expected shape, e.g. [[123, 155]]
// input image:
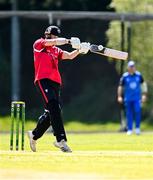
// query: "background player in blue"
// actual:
[[132, 92]]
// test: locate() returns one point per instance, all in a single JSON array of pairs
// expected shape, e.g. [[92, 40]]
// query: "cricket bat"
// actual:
[[99, 49]]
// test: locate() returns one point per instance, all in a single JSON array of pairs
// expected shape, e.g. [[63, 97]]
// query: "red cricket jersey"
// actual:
[[46, 61]]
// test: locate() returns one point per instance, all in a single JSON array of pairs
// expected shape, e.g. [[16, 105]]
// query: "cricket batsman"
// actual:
[[48, 82]]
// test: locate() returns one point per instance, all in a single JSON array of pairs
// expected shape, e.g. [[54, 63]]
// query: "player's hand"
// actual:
[[84, 48], [75, 42], [120, 99], [144, 98]]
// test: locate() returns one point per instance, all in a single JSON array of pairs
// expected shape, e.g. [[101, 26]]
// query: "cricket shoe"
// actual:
[[62, 145], [129, 132], [137, 131], [32, 141]]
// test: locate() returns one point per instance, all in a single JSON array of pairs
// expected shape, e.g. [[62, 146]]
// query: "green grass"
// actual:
[[95, 156], [73, 126], [5, 124]]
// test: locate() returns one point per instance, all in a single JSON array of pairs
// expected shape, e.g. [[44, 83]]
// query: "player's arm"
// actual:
[[120, 94], [120, 90], [56, 41], [70, 55], [144, 89], [82, 49], [74, 41]]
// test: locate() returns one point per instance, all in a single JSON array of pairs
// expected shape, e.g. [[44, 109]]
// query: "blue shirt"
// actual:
[[131, 86]]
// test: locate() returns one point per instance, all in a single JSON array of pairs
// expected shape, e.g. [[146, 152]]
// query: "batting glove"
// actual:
[[84, 48], [75, 42]]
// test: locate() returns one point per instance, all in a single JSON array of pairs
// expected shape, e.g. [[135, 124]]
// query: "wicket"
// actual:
[[17, 115]]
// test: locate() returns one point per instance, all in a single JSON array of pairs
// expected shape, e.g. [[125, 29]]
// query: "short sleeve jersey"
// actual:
[[131, 86], [46, 61]]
